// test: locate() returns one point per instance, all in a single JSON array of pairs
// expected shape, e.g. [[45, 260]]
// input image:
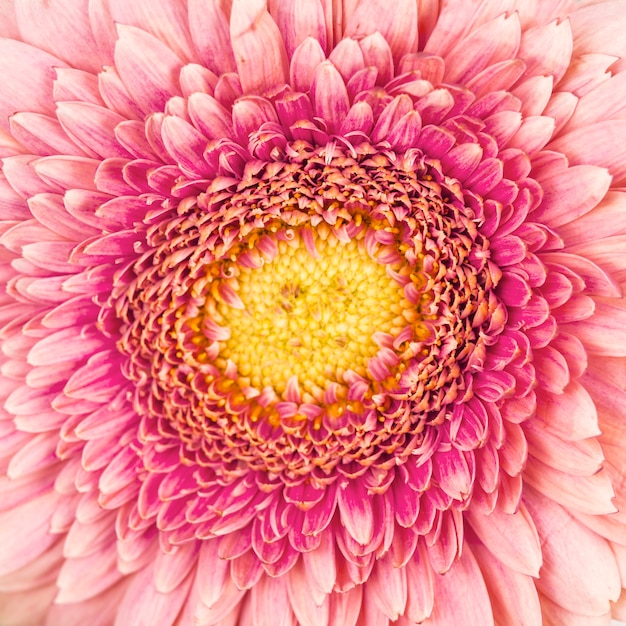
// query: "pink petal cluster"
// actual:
[[154, 153]]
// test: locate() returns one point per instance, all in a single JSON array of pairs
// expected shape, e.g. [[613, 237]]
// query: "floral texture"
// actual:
[[312, 312]]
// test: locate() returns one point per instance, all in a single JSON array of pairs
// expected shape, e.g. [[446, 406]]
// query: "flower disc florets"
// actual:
[[321, 312]]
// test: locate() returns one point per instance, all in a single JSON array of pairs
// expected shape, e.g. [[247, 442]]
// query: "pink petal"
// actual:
[[42, 135], [513, 595], [557, 413], [607, 219], [582, 580], [143, 604], [461, 595], [571, 193], [87, 576], [320, 565], [299, 20], [211, 36], [355, 507], [511, 538], [258, 47], [547, 50], [496, 40], [330, 97], [396, 21], [172, 568], [270, 603], [25, 529], [308, 612], [583, 457], [62, 28], [165, 19], [92, 127], [587, 494], [307, 56], [149, 84], [603, 332], [593, 145], [30, 72]]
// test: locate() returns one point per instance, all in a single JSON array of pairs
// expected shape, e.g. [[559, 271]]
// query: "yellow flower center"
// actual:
[[310, 313]]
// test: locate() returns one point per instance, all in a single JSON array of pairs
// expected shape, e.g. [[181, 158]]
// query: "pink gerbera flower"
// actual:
[[312, 312]]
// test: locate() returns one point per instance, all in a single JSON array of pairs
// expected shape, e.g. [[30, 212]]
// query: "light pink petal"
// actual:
[[458, 18], [258, 47], [511, 538], [24, 607], [25, 532], [165, 19], [65, 345], [49, 210], [149, 84], [533, 134], [92, 127], [608, 253], [117, 96], [208, 23], [388, 586], [534, 94], [547, 50], [299, 20], [143, 604], [67, 172], [62, 28], [210, 117], [42, 135], [186, 145], [378, 54], [420, 590], [513, 595], [308, 612], [593, 145], [561, 106], [461, 595], [38, 453], [320, 564], [587, 494], [172, 568], [494, 41], [608, 218], [605, 36], [87, 576], [570, 193], [603, 332], [30, 72], [270, 603], [97, 611], [8, 20], [499, 76], [605, 102], [583, 580], [396, 21]]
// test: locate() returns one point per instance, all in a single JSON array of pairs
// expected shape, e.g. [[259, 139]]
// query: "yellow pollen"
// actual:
[[310, 317]]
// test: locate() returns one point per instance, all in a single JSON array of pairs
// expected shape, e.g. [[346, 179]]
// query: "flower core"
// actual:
[[310, 313]]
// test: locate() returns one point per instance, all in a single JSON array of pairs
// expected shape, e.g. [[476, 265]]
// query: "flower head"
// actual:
[[312, 312]]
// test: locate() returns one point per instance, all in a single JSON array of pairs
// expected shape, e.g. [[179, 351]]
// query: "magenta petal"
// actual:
[[355, 507]]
